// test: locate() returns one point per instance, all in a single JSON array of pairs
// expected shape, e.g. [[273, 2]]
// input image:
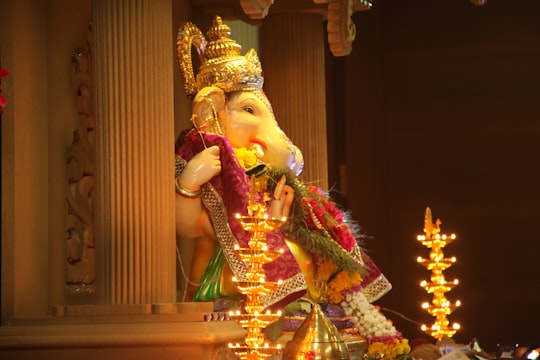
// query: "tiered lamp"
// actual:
[[438, 286], [254, 286]]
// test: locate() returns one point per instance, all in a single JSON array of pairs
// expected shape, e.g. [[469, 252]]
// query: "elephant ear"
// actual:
[[207, 106]]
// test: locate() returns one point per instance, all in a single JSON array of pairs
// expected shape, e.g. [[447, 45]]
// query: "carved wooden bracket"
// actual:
[[256, 9], [340, 27]]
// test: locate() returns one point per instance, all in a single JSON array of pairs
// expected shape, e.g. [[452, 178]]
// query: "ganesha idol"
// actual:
[[236, 137]]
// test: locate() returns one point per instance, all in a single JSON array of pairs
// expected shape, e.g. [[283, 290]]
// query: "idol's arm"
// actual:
[[192, 220]]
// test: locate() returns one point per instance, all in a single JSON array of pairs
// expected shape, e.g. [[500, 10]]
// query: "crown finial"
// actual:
[[221, 45]]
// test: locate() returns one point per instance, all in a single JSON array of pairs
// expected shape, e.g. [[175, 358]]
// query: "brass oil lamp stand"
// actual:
[[438, 286], [254, 285]]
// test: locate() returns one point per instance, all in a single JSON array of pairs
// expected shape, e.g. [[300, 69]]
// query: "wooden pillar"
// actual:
[[133, 76], [293, 62]]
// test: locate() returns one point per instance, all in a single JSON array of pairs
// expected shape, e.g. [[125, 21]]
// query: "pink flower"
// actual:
[[3, 101], [344, 237]]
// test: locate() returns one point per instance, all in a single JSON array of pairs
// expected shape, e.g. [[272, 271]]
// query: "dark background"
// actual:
[[439, 105]]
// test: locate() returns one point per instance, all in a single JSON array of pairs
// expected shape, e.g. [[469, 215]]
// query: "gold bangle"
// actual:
[[185, 192]]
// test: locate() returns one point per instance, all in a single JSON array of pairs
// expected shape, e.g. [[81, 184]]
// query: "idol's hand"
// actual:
[[200, 169], [281, 199]]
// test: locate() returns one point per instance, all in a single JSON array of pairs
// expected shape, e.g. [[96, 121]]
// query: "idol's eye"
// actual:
[[249, 109]]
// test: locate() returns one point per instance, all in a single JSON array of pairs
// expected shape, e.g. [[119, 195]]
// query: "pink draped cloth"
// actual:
[[232, 185]]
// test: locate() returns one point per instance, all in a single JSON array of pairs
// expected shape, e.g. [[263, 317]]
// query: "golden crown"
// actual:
[[221, 62]]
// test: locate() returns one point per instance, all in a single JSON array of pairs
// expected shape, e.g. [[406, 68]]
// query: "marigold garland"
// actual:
[[389, 349], [341, 283], [338, 283]]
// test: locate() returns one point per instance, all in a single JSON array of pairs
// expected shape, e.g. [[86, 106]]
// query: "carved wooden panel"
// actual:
[[80, 246]]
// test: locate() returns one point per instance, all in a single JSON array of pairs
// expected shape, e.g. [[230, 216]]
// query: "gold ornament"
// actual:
[[317, 338], [221, 62]]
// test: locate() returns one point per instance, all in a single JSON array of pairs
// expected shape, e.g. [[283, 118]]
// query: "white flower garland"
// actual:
[[366, 317]]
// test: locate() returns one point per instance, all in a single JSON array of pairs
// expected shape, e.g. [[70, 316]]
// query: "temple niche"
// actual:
[[80, 223]]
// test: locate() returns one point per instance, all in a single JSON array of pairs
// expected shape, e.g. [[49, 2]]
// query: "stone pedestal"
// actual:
[[89, 332]]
